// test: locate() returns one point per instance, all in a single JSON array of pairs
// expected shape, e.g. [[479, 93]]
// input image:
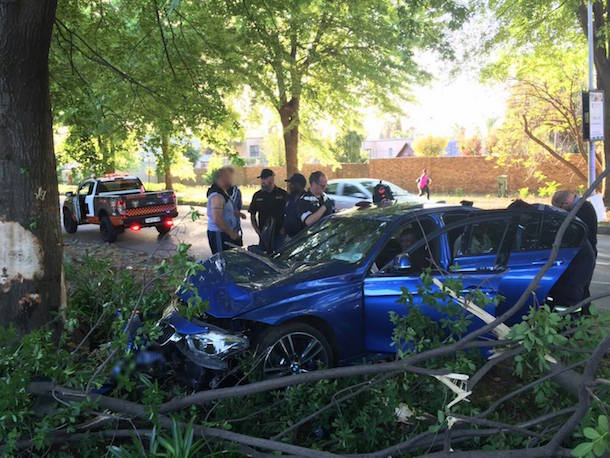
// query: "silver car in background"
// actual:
[[347, 192]]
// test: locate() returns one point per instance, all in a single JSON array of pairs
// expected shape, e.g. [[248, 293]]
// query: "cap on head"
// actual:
[[297, 179], [266, 173]]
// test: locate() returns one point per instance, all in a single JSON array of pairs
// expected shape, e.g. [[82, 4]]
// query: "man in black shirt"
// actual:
[[315, 204], [292, 220], [567, 200], [267, 212], [582, 266]]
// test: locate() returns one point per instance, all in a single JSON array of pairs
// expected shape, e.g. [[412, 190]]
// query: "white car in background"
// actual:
[[347, 192]]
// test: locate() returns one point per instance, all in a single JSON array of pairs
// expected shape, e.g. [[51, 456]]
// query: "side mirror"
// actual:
[[69, 194], [402, 262]]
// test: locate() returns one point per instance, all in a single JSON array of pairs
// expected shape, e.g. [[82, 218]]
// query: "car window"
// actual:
[[480, 239], [332, 188], [119, 185], [413, 239], [550, 225], [527, 233], [86, 188], [350, 190]]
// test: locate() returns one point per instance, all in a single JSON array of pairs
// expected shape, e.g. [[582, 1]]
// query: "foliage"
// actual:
[[430, 146], [472, 146], [389, 408], [316, 53], [599, 439], [348, 147]]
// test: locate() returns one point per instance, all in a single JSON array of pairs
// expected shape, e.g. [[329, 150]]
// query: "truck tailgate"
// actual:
[[150, 203]]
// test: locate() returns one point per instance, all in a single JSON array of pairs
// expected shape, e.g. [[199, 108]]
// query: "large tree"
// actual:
[[544, 110], [135, 67], [530, 27], [30, 235], [329, 56]]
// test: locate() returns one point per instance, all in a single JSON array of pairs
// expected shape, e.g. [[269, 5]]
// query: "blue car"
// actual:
[[325, 299]]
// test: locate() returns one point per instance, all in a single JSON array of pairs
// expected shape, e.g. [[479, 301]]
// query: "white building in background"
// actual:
[[383, 148]]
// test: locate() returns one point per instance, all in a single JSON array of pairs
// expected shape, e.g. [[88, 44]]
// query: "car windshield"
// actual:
[[396, 190], [120, 185], [340, 239]]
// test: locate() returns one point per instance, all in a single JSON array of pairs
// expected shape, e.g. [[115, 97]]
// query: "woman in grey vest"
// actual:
[[223, 224]]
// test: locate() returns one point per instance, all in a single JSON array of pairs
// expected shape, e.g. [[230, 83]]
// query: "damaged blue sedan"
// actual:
[[325, 299]]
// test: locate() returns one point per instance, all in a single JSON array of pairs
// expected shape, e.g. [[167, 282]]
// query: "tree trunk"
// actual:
[[289, 115], [166, 160], [31, 283]]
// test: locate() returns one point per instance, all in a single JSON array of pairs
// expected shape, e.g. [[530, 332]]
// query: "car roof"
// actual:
[[354, 180], [398, 211]]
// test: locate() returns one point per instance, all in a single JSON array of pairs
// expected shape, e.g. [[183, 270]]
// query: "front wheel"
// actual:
[[69, 224], [107, 230], [294, 348]]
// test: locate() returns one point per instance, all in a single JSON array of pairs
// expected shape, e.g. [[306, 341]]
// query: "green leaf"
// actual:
[[591, 433], [602, 423], [582, 449]]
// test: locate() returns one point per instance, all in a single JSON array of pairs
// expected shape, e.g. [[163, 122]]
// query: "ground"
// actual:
[[134, 249]]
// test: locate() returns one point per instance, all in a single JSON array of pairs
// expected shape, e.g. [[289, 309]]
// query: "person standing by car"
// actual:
[[222, 223], [315, 204], [423, 184], [567, 200], [292, 220], [236, 198], [267, 212]]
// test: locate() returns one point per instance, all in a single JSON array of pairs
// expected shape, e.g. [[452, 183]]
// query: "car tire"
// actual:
[[108, 231], [163, 229], [293, 348], [69, 224]]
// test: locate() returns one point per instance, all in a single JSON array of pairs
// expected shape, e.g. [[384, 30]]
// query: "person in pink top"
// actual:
[[423, 184]]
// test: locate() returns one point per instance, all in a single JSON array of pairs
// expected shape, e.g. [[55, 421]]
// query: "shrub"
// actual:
[[430, 146]]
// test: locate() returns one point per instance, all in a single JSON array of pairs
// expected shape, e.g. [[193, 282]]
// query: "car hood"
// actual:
[[233, 282]]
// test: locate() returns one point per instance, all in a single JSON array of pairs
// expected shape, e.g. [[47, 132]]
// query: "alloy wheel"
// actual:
[[295, 353]]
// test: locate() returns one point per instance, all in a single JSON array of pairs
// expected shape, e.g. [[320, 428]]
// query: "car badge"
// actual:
[[136, 203]]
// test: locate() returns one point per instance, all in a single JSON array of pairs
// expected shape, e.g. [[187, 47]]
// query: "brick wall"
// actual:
[[470, 174]]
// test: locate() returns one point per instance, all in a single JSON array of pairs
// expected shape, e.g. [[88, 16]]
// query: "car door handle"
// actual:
[[470, 289], [541, 262]]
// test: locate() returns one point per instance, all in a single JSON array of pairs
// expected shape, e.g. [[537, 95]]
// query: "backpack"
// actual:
[[382, 193]]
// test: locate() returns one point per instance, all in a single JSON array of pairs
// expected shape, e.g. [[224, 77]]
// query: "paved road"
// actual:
[[195, 233]]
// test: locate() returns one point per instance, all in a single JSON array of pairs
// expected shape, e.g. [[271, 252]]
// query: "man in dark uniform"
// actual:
[[315, 204], [292, 220], [267, 212], [567, 200], [582, 266]]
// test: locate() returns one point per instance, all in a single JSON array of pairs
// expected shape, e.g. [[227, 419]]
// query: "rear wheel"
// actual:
[[107, 230], [294, 348], [70, 225], [162, 228]]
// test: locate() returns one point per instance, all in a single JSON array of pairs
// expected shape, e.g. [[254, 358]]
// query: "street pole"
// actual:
[[591, 87]]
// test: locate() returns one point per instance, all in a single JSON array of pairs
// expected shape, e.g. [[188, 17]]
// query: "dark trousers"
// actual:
[[425, 190], [218, 241]]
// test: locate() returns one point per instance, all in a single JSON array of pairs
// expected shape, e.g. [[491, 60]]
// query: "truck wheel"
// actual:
[[107, 230], [69, 224], [294, 348], [162, 228]]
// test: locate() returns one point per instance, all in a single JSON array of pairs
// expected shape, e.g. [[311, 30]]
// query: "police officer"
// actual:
[[267, 212], [315, 204], [292, 220]]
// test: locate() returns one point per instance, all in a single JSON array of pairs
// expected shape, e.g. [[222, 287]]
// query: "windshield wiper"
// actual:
[[263, 259]]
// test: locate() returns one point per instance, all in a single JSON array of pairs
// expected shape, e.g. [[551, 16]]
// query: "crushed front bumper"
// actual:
[[203, 344]]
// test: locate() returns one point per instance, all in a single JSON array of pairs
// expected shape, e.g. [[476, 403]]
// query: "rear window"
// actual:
[[481, 239], [332, 188], [550, 225], [527, 233], [119, 185]]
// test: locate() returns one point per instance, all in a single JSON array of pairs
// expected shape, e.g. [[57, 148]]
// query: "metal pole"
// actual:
[[591, 86]]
